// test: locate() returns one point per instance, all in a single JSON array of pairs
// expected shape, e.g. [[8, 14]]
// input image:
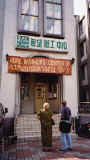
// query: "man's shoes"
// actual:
[[63, 150], [69, 149]]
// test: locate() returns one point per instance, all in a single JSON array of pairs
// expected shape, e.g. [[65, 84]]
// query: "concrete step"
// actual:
[[29, 126]]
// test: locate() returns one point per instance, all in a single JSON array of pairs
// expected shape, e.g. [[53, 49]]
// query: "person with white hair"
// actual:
[[46, 116]]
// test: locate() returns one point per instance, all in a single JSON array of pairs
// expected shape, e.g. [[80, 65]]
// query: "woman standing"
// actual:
[[45, 116]]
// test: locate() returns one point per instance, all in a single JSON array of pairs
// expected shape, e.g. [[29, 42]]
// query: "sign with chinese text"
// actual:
[[39, 65], [41, 43]]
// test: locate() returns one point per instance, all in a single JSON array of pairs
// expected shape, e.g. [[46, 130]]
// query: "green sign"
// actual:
[[40, 43]]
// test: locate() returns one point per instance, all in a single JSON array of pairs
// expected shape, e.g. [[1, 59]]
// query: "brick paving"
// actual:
[[26, 149]]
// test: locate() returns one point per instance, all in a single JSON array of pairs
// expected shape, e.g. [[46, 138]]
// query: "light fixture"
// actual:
[[73, 60], [7, 56]]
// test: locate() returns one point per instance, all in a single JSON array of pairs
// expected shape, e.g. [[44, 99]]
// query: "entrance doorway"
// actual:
[[39, 88], [48, 88]]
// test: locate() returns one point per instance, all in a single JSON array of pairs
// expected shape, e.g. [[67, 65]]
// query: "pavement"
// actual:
[[27, 149]]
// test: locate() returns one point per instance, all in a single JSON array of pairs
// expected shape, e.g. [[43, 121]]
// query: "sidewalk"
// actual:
[[32, 150]]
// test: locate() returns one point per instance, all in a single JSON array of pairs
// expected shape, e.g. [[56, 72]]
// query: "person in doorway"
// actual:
[[65, 127], [45, 116]]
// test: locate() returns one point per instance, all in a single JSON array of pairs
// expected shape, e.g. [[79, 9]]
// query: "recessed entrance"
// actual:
[[39, 88]]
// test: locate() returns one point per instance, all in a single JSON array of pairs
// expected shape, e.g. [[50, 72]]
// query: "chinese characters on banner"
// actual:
[[41, 43], [39, 65]]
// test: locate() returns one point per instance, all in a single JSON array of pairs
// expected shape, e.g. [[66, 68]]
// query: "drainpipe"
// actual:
[[76, 51]]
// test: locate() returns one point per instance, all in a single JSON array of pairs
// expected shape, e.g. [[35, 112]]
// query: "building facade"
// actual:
[[83, 45], [2, 16], [39, 56]]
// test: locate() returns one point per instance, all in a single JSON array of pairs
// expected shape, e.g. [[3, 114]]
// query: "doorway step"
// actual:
[[27, 126]]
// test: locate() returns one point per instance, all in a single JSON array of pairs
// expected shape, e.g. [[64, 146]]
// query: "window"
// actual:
[[53, 17], [84, 96], [80, 28], [82, 25], [29, 15], [83, 49], [43, 17], [52, 90], [83, 72], [25, 87]]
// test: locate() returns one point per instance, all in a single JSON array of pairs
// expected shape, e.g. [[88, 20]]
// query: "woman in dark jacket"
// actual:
[[45, 116]]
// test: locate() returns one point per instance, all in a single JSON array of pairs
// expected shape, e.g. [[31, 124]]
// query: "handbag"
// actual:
[[52, 121], [65, 126]]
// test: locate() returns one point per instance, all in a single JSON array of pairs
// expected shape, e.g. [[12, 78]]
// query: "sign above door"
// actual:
[[39, 65]]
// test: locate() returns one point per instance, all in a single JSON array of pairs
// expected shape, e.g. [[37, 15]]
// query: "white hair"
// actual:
[[45, 104]]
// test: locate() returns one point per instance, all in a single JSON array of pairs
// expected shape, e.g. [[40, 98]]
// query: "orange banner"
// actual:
[[39, 65]]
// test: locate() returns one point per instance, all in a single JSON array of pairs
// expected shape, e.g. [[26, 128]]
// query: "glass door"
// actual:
[[41, 96], [25, 94]]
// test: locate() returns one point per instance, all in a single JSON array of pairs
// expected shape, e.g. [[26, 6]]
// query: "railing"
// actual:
[[84, 107]]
